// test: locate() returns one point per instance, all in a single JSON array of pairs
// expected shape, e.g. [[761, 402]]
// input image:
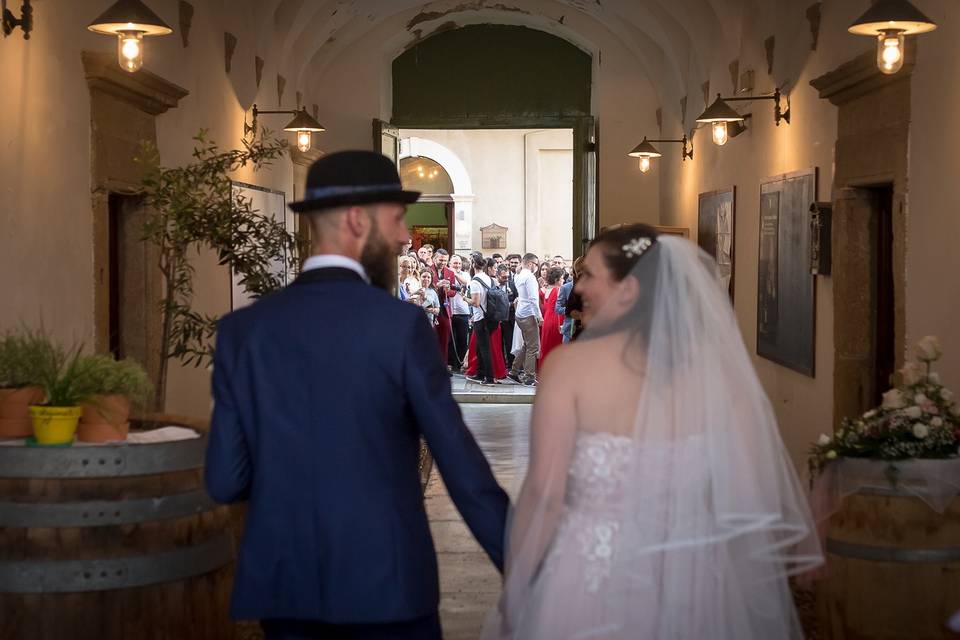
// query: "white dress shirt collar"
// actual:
[[326, 260]]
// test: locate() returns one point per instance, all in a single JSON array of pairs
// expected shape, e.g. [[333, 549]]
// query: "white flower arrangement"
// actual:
[[917, 419]]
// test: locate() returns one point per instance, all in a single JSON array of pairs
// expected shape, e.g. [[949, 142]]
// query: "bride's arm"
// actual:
[[541, 499]]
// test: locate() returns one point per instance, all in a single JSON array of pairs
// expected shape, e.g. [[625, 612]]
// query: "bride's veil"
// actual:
[[713, 515]]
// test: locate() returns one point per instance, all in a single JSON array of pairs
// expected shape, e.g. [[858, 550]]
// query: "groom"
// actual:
[[319, 409]]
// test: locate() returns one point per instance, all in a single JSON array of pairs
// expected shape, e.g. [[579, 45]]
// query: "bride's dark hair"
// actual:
[[612, 241], [631, 250]]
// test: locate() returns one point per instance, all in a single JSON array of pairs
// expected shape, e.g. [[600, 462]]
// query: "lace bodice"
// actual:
[[598, 471], [596, 485]]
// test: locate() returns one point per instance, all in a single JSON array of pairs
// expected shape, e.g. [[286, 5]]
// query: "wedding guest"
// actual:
[[569, 304], [425, 255], [409, 277], [542, 281], [542, 274], [431, 302], [497, 259], [404, 271], [443, 278], [550, 336], [529, 318], [559, 263], [506, 278], [496, 338], [459, 315], [482, 328], [514, 261]]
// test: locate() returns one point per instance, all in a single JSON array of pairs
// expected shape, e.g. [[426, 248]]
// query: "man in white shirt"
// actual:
[[459, 315], [529, 319], [482, 328]]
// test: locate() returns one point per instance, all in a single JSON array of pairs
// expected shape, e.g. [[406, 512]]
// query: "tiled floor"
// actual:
[[469, 583], [507, 392]]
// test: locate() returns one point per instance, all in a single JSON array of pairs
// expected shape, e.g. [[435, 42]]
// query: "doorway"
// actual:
[[494, 190], [884, 333], [502, 79], [128, 271]]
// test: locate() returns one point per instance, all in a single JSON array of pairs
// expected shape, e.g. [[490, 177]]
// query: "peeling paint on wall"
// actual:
[[428, 16]]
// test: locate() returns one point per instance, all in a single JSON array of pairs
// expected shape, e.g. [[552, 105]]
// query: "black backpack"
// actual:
[[498, 304]]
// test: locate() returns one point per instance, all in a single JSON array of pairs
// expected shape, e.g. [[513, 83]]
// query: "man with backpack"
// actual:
[[529, 319], [480, 288]]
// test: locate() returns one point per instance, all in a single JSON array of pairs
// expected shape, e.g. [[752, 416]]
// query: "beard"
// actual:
[[379, 260]]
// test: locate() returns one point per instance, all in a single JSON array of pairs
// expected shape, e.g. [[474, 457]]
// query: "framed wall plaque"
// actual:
[[716, 228], [680, 232], [786, 290], [267, 202]]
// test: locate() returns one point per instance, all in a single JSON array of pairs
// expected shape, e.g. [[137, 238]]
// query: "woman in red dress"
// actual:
[[550, 336]]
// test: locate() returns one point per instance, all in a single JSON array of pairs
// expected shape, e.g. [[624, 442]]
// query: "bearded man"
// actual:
[[321, 394]]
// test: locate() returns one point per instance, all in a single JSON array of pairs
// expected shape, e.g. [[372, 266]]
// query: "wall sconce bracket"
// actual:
[[25, 21], [779, 114]]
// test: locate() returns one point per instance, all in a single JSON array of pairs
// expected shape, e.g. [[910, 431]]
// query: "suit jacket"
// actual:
[[322, 391], [445, 274], [512, 295]]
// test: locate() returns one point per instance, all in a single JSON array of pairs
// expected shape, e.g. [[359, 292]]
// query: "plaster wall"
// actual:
[[522, 179], [804, 405], [358, 85], [45, 150]]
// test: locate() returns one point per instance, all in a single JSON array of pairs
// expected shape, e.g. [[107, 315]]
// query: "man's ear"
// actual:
[[358, 221]]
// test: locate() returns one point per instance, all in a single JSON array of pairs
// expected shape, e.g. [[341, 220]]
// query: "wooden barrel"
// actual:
[[116, 541], [893, 569]]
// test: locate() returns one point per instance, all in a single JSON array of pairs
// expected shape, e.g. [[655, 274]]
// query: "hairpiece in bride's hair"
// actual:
[[636, 247]]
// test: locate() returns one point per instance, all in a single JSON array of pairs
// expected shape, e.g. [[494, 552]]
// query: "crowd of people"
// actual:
[[498, 317]]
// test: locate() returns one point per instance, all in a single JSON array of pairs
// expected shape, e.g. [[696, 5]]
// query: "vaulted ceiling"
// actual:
[[672, 40]]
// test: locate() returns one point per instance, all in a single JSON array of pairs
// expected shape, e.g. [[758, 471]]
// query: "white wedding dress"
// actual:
[[687, 526]]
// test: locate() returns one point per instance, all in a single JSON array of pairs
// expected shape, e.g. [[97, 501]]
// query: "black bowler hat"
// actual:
[[352, 177]]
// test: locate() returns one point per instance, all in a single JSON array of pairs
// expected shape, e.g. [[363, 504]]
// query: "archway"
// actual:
[[462, 194], [506, 77]]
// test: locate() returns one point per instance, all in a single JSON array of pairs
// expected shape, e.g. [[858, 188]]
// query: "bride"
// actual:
[[659, 502]]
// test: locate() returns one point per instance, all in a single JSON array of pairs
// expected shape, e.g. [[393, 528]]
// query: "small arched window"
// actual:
[[426, 176]]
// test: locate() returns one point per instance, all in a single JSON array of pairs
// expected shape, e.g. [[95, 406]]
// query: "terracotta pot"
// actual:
[[105, 419], [15, 412]]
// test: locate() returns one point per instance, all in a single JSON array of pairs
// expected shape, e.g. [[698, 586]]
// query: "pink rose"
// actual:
[[913, 373]]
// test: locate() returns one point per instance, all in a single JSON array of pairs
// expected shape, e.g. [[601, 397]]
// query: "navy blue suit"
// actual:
[[321, 393]]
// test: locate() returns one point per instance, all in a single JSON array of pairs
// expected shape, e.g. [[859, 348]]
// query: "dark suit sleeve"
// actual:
[[228, 468], [561, 307], [466, 473]]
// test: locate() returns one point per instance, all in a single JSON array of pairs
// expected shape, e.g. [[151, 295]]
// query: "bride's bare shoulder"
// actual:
[[578, 359]]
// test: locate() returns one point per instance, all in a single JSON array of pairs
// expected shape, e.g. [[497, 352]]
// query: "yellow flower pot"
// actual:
[[55, 425]]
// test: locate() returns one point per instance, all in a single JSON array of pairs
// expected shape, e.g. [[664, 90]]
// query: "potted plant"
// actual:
[[64, 376], [18, 386], [114, 385]]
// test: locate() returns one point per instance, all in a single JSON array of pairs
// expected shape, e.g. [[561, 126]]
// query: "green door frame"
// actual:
[[586, 221]]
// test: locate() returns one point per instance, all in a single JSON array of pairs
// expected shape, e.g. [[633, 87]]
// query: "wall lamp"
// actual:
[[727, 123], [129, 20], [302, 124], [646, 151], [25, 21], [889, 21]]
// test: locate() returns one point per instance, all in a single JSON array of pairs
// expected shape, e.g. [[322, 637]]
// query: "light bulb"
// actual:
[[130, 50], [304, 140], [720, 135], [644, 164], [890, 51]]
